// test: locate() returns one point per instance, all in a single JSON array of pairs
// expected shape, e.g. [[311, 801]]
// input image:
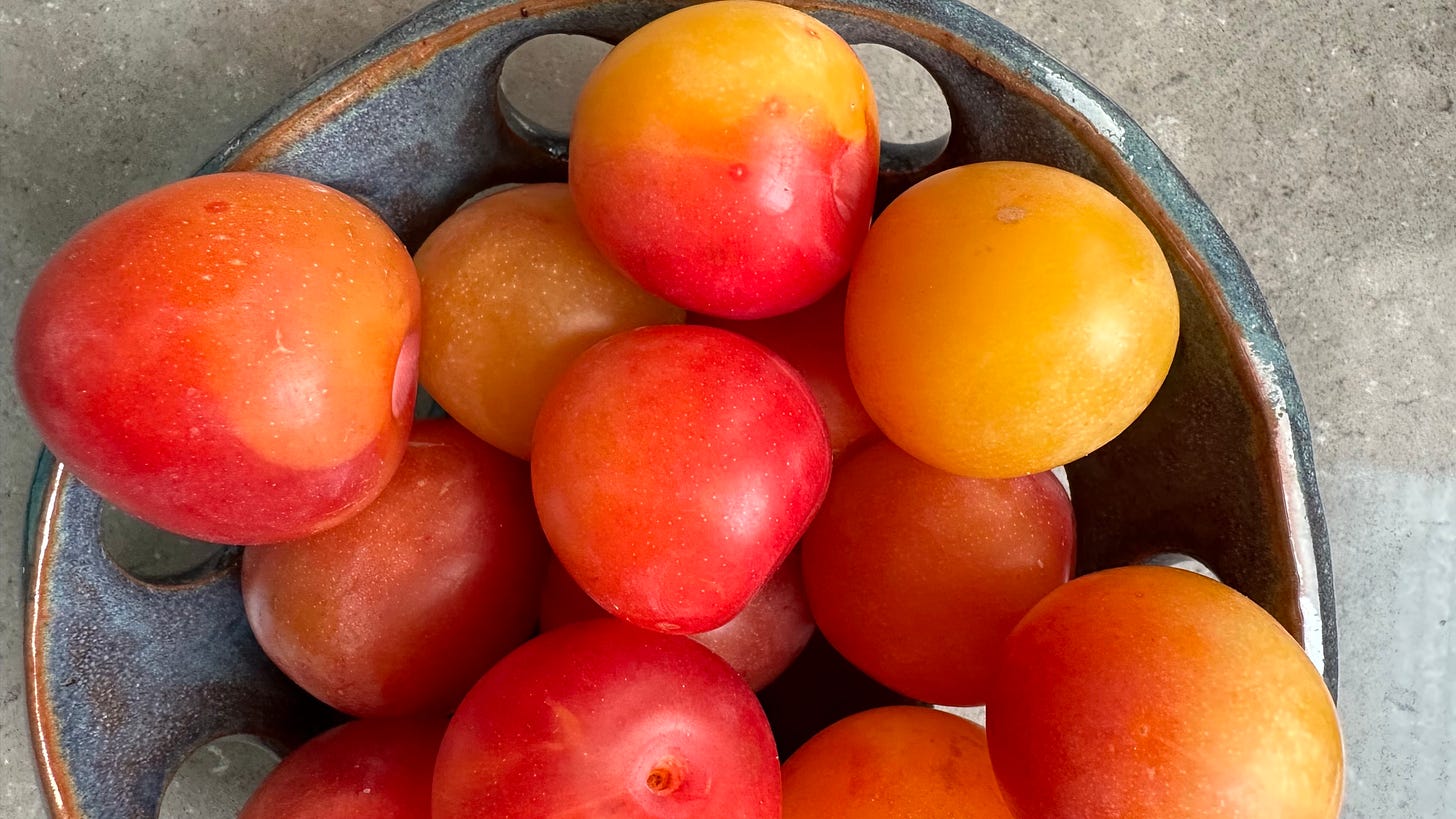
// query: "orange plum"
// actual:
[[1149, 692], [1006, 318]]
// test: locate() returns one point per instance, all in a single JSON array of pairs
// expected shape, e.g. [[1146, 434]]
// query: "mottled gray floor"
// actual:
[[1322, 135]]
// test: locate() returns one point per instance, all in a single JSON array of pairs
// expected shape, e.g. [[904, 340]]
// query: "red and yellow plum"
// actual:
[[894, 763], [812, 339], [600, 719], [370, 769], [400, 609], [917, 575], [725, 157], [230, 357], [674, 468], [1149, 692], [513, 291], [760, 642]]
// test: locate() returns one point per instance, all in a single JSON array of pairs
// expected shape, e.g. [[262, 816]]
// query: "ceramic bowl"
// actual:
[[127, 677]]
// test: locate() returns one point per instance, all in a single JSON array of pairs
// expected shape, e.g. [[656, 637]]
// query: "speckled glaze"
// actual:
[[126, 678]]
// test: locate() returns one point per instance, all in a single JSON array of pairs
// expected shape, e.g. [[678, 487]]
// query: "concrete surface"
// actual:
[[1322, 134]]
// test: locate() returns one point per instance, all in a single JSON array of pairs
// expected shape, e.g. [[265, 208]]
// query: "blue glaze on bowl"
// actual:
[[126, 678]]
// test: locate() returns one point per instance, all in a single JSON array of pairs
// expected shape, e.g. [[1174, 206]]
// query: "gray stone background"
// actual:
[[1322, 134]]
